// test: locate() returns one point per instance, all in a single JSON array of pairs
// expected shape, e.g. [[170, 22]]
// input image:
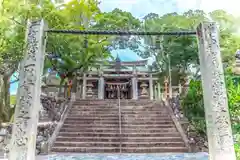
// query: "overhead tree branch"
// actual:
[[16, 21], [14, 81]]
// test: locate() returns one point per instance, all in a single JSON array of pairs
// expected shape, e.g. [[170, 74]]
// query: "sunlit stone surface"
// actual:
[[183, 156]]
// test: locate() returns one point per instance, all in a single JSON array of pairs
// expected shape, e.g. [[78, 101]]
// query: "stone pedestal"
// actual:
[[23, 142], [220, 139]]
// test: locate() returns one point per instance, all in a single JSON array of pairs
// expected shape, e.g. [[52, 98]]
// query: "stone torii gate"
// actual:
[[220, 139]]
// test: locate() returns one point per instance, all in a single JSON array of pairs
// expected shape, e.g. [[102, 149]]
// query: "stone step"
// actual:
[[116, 130], [145, 113], [149, 122], [121, 107], [105, 115], [117, 144], [114, 118], [127, 108], [114, 126], [117, 149], [116, 139], [109, 134], [125, 102], [116, 105], [116, 110], [93, 108]]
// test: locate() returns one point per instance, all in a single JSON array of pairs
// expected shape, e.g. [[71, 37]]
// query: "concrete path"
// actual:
[[170, 156]]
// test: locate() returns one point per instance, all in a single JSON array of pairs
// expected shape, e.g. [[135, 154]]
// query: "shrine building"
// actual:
[[124, 79]]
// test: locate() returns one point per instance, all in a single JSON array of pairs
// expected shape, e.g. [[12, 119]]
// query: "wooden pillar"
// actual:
[[220, 139], [23, 142]]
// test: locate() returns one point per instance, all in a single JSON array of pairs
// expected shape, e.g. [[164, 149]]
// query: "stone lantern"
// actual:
[[89, 90], [236, 68], [144, 92]]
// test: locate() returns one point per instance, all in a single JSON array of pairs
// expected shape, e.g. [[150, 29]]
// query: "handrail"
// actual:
[[120, 121]]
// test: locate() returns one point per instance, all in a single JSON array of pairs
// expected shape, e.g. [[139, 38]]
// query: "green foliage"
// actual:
[[193, 108], [233, 90], [13, 99], [237, 150], [183, 50], [79, 53]]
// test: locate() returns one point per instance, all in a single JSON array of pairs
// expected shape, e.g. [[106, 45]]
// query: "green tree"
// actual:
[[12, 31], [183, 50], [65, 17], [80, 52], [71, 49]]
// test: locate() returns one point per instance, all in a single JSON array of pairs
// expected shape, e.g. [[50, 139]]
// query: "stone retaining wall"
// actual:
[[198, 143], [52, 110]]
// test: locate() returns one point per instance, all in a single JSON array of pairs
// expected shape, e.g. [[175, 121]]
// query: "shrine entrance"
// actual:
[[115, 89], [218, 124]]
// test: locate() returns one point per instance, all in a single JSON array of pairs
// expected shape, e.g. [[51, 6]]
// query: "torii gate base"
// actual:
[[219, 131]]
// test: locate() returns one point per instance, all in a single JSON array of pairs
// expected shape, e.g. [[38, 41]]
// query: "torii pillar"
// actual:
[[23, 142], [219, 132]]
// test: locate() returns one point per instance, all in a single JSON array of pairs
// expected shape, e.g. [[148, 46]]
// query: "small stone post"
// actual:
[[155, 91], [134, 88], [101, 85], [134, 84], [220, 139], [179, 88], [159, 91], [166, 87], [23, 142], [151, 87], [101, 88], [84, 86], [78, 93]]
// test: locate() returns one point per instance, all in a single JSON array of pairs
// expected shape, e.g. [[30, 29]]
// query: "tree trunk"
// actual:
[[6, 80], [4, 98]]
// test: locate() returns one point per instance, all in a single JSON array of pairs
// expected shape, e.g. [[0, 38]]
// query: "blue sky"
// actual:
[[139, 8]]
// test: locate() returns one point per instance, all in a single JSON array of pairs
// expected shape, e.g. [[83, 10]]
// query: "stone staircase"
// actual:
[[93, 127]]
